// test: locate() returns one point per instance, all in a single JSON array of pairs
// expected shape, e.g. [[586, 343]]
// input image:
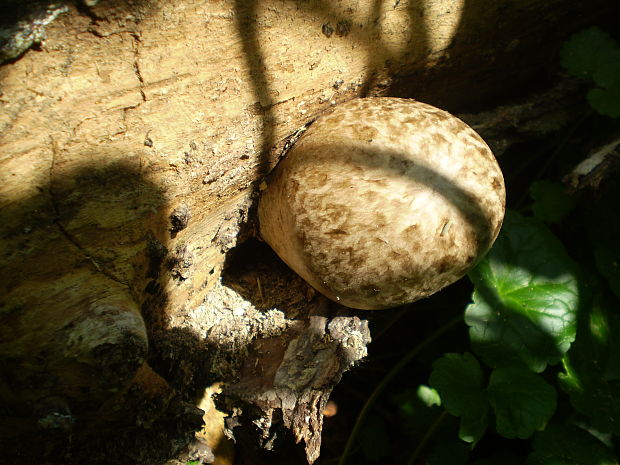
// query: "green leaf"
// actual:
[[591, 375], [458, 378], [428, 396], [607, 72], [523, 402], [581, 53], [551, 202], [525, 298], [593, 54], [605, 101], [569, 445]]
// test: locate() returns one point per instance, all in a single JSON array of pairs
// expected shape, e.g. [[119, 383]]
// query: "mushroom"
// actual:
[[383, 201]]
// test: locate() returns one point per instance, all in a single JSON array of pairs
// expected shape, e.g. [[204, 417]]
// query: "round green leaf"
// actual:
[[458, 378], [523, 402], [605, 101], [428, 396], [607, 74], [525, 298], [559, 444], [580, 53]]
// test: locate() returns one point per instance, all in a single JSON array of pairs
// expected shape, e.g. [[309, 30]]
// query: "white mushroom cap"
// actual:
[[384, 201]]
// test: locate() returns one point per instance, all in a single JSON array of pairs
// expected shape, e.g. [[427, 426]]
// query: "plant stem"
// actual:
[[426, 437], [384, 383]]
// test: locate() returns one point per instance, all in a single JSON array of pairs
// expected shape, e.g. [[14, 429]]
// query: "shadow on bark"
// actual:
[[78, 258]]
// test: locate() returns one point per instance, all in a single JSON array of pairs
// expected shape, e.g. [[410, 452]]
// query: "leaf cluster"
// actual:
[[541, 329], [594, 55]]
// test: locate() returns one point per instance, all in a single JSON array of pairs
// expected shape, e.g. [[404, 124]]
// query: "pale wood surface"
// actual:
[[140, 109]]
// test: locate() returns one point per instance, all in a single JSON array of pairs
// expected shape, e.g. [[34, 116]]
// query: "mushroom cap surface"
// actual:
[[383, 201]]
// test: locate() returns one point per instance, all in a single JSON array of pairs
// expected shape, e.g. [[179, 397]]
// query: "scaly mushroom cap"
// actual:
[[383, 201]]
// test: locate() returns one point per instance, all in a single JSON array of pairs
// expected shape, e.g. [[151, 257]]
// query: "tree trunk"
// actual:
[[133, 142]]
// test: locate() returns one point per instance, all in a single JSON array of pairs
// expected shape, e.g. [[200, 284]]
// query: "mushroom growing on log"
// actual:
[[383, 202]]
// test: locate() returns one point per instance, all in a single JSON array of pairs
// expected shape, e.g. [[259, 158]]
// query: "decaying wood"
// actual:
[[600, 165], [132, 145]]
